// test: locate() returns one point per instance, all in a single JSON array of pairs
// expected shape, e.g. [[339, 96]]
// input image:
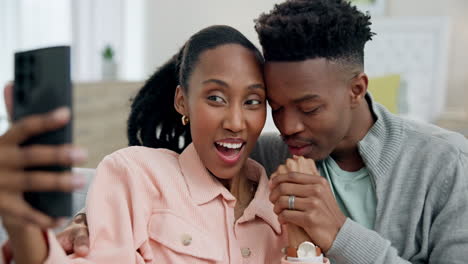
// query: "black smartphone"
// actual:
[[42, 84]]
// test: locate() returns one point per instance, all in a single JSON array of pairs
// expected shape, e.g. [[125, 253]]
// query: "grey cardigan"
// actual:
[[420, 175]]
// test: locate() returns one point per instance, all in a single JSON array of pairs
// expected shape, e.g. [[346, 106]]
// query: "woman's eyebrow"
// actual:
[[219, 82], [224, 84]]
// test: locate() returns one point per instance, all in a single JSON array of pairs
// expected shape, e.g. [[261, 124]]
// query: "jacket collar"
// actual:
[[203, 188], [383, 142], [260, 206]]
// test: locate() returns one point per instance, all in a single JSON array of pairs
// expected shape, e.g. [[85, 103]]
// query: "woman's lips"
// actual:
[[229, 151]]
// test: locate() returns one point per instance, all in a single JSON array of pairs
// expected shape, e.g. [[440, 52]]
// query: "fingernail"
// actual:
[[78, 180], [78, 155], [61, 113]]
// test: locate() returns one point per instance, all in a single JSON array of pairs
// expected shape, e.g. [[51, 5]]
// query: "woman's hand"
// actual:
[[75, 237], [315, 207], [14, 158]]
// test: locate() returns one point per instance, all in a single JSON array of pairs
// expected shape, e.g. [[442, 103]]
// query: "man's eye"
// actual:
[[274, 110], [313, 111], [215, 98]]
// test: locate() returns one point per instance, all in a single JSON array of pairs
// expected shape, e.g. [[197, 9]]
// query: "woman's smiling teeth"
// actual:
[[230, 145], [229, 150]]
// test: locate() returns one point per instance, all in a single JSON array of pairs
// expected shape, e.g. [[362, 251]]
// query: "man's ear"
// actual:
[[180, 101], [358, 89]]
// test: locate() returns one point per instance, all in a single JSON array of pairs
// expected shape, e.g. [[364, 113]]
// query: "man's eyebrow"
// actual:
[[306, 98], [256, 86], [219, 82]]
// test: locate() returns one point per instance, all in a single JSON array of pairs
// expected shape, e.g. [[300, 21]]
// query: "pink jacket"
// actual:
[[155, 206]]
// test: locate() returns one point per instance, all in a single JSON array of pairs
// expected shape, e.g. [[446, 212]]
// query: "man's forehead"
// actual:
[[300, 71], [296, 82]]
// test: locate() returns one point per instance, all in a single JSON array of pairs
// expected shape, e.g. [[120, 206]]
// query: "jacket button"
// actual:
[[186, 239], [245, 252]]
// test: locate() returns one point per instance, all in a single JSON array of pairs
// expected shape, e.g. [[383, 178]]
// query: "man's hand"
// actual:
[[75, 237], [315, 207]]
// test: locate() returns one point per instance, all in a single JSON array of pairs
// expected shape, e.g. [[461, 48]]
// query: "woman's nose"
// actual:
[[234, 120]]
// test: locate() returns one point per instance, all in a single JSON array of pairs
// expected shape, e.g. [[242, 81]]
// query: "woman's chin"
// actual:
[[224, 174]]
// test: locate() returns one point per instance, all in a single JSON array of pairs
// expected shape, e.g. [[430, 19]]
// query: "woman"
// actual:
[[208, 204]]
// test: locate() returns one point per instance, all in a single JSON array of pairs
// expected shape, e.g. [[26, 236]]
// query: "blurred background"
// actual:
[[417, 61]]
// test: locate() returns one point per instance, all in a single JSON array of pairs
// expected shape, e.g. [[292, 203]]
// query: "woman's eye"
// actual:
[[253, 102], [215, 98]]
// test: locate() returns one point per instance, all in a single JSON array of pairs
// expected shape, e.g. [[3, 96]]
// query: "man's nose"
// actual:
[[288, 122]]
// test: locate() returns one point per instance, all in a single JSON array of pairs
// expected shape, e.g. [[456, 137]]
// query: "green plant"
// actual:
[[108, 53]]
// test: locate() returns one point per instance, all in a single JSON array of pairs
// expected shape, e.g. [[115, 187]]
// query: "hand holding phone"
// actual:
[[42, 84]]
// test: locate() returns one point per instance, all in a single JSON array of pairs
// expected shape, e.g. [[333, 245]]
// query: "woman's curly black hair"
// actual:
[[307, 29], [153, 121]]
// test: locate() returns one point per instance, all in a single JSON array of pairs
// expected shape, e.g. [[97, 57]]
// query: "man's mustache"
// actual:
[[297, 139]]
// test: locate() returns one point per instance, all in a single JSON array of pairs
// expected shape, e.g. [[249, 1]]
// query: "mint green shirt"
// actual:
[[353, 191]]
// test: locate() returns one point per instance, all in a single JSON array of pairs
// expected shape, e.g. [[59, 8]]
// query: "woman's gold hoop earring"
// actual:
[[185, 120]]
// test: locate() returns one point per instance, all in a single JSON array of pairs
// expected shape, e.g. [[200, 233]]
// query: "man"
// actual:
[[402, 185], [391, 190]]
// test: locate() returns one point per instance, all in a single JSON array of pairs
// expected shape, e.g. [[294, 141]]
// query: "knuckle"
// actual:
[[290, 162], [21, 213], [314, 203], [27, 125], [323, 181], [317, 190], [309, 218], [276, 208], [62, 181], [4, 210], [62, 154], [284, 202], [8, 154], [282, 169], [26, 155], [283, 188], [292, 175], [25, 179]]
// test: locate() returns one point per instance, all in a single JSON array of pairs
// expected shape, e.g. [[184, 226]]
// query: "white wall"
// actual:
[[29, 24], [457, 10], [170, 23], [98, 23]]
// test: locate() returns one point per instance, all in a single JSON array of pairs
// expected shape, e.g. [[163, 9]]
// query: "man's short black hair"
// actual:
[[298, 30]]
